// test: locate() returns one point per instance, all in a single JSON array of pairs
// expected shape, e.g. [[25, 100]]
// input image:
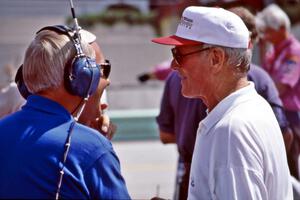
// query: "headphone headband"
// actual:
[[63, 29], [71, 33]]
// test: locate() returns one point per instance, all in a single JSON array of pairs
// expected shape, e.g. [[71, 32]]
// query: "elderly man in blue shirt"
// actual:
[[44, 152]]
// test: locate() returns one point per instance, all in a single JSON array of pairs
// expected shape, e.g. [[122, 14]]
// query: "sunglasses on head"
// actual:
[[105, 69]]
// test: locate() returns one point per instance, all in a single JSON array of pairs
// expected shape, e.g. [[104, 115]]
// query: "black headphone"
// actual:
[[82, 74]]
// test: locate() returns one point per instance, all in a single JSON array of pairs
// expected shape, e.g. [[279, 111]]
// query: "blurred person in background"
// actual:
[[159, 72], [280, 52], [10, 98], [209, 178]]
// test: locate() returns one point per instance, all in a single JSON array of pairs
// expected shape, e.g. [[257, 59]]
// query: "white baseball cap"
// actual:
[[87, 36], [208, 25]]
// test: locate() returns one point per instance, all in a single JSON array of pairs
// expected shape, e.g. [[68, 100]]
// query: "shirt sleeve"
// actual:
[[162, 70], [239, 183], [162, 73], [237, 170], [105, 180], [166, 117]]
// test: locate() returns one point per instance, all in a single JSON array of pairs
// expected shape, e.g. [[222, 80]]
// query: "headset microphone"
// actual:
[[82, 69]]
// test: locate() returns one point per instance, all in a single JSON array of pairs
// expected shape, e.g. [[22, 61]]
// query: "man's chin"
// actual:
[[190, 95], [187, 94]]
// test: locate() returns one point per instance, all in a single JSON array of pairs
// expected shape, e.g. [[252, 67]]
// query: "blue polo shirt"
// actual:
[[31, 152]]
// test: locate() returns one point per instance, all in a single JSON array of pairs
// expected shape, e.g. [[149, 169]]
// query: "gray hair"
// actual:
[[46, 58], [238, 58], [273, 17]]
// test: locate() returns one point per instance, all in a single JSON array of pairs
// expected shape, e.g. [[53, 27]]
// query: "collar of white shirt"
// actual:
[[226, 105]]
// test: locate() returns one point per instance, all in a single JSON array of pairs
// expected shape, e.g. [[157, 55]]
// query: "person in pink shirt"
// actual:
[[282, 62]]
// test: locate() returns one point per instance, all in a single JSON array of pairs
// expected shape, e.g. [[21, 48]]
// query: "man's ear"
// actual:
[[217, 56]]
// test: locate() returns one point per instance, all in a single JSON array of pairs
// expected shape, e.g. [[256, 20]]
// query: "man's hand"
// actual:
[[105, 126], [94, 118]]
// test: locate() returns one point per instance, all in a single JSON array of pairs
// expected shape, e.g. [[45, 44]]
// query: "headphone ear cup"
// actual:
[[82, 74], [83, 77], [20, 83]]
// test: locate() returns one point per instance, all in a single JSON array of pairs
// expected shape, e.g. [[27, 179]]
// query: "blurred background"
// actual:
[[124, 29]]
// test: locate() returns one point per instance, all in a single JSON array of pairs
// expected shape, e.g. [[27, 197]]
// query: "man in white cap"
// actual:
[[239, 151]]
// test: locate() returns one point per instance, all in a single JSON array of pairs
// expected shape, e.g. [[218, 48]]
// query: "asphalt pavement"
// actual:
[[149, 168]]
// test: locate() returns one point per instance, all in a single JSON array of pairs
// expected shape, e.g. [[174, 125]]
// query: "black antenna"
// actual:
[[77, 28]]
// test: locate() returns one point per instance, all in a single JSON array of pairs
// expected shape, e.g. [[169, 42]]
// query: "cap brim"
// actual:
[[174, 40]]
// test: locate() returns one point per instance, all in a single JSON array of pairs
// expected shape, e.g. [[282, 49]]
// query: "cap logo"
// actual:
[[186, 22], [229, 26]]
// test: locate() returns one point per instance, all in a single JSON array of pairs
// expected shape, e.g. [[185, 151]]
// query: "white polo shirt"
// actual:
[[239, 152]]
